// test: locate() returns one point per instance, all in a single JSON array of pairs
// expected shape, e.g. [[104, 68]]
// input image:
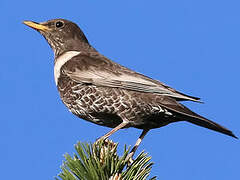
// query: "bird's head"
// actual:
[[62, 35]]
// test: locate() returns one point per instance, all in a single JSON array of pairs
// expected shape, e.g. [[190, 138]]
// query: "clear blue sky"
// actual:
[[193, 46]]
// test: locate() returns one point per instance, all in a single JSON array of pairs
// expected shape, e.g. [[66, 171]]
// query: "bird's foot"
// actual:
[[130, 159], [100, 139]]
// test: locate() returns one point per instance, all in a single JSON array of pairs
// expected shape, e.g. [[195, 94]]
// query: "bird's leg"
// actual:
[[130, 155], [120, 126]]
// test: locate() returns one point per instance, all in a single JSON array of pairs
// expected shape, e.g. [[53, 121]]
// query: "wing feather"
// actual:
[[100, 71]]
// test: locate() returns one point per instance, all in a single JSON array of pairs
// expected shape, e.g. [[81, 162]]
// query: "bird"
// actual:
[[103, 92]]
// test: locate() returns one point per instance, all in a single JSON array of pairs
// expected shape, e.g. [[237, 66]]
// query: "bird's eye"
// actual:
[[59, 24]]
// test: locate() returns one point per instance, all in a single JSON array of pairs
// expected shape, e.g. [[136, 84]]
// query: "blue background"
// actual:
[[193, 46]]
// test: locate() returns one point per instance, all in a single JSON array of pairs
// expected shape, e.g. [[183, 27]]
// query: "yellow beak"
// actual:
[[36, 26]]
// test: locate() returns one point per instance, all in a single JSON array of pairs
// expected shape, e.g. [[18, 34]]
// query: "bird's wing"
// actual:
[[93, 68]]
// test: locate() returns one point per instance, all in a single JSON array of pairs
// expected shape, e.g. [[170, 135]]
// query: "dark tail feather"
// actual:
[[185, 114], [211, 125]]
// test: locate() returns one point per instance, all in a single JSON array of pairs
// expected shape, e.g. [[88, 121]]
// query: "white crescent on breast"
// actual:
[[61, 60]]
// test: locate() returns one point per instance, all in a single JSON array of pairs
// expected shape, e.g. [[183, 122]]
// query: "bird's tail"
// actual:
[[185, 114], [201, 121]]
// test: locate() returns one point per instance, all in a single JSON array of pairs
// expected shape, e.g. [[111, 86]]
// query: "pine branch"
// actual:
[[99, 161]]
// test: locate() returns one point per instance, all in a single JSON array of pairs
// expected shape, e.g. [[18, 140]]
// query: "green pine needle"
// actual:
[[99, 161]]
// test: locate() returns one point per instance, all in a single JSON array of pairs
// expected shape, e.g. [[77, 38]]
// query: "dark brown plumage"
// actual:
[[103, 92]]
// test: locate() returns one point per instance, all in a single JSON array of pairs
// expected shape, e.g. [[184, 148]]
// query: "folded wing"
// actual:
[[92, 68]]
